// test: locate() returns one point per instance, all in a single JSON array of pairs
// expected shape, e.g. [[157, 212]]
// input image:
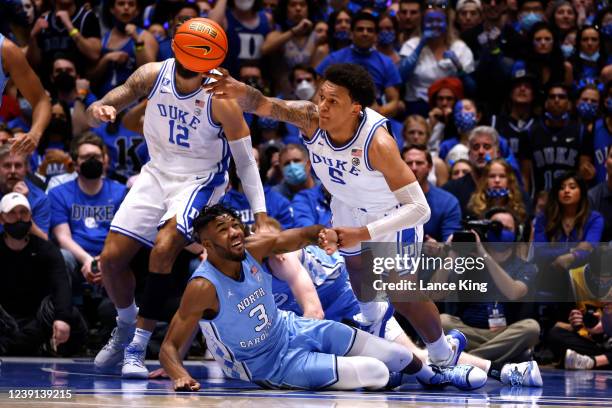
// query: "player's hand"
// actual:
[[61, 333], [103, 113], [159, 373], [118, 57], [40, 25], [23, 143], [186, 384], [225, 87], [328, 240], [22, 188], [263, 223], [65, 19]]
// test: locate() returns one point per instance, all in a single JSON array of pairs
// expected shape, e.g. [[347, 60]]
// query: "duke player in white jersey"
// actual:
[[376, 197], [189, 137], [230, 297]]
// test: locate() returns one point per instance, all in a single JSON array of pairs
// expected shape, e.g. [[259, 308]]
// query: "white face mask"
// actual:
[[305, 90], [244, 5]]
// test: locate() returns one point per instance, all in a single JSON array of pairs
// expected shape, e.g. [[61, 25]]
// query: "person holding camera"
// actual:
[[82, 210], [496, 330]]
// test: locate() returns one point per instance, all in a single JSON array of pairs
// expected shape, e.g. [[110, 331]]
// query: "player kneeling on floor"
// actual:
[[230, 296]]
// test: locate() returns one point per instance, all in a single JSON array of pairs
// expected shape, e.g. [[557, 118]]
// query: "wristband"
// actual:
[[73, 32]]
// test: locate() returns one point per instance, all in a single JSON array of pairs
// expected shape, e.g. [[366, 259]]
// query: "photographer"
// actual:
[[495, 329]]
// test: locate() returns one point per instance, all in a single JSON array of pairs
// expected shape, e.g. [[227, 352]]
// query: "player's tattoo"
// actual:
[[252, 100], [137, 85]]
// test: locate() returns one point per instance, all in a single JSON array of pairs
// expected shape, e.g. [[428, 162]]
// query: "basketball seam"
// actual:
[[204, 38]]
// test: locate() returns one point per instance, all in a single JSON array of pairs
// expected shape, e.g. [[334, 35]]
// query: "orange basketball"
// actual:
[[200, 44]]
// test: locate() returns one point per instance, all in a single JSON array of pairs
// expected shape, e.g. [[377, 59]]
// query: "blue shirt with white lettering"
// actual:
[[88, 216], [277, 206]]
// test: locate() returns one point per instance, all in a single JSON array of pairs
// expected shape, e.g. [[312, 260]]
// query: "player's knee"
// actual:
[[113, 261], [374, 373]]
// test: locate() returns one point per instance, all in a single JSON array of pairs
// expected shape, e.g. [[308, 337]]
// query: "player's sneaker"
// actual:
[[575, 361], [464, 377], [111, 354], [457, 341], [525, 374], [378, 327], [133, 362]]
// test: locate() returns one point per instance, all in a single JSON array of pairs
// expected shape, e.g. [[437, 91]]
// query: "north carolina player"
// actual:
[[230, 296], [375, 194], [189, 137]]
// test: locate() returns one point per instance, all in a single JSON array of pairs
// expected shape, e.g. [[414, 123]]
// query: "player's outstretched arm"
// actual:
[[199, 296], [302, 114], [138, 85], [265, 244], [16, 65]]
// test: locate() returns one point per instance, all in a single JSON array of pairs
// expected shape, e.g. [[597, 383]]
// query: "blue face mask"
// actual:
[[529, 20], [591, 58], [435, 22], [587, 110], [294, 173], [550, 116], [342, 36], [567, 50], [386, 37], [497, 192], [465, 121]]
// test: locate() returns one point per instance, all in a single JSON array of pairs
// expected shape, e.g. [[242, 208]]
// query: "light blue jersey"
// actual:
[[330, 278], [254, 341], [3, 76]]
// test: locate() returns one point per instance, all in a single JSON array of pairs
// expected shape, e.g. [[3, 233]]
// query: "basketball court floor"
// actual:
[[20, 377]]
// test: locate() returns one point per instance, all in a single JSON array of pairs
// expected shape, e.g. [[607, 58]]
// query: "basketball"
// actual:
[[200, 44]]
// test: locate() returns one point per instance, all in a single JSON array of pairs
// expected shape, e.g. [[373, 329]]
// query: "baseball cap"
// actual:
[[520, 73], [12, 200]]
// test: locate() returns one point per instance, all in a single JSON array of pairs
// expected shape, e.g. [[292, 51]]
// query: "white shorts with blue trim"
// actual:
[[400, 242], [158, 196]]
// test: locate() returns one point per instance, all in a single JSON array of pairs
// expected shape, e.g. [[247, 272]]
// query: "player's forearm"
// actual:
[[90, 47], [171, 360], [41, 115], [297, 238]]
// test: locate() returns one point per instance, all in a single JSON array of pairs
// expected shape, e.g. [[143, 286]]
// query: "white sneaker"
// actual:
[[575, 361], [111, 354], [525, 374], [133, 362], [457, 341], [464, 377]]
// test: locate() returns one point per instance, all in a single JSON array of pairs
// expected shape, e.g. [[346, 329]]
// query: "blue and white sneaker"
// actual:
[[457, 341], [378, 327], [133, 362], [464, 377], [112, 353], [525, 374]]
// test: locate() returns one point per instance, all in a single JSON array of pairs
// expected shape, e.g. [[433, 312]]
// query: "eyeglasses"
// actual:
[[558, 96]]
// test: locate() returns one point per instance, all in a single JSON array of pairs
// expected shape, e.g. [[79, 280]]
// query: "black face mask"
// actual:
[[58, 127], [184, 72], [64, 82], [91, 169], [19, 229], [120, 26]]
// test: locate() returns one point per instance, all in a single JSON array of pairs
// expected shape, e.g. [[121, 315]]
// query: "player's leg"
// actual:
[[168, 244], [119, 283]]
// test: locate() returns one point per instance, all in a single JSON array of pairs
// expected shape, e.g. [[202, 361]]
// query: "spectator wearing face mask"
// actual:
[[442, 96], [421, 64], [599, 141], [57, 136], [387, 37], [587, 106], [590, 56], [338, 35], [545, 58], [125, 47], [246, 26], [296, 168]]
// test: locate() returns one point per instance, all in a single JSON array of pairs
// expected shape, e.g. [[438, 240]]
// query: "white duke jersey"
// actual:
[[181, 134], [346, 171]]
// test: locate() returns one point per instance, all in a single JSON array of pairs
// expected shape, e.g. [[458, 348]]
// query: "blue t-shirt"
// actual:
[[124, 149], [88, 216], [602, 140], [3, 76], [311, 207], [277, 206], [445, 214], [117, 74], [244, 42], [381, 68], [39, 204]]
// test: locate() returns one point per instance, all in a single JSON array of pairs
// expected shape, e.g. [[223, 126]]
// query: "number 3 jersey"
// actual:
[[249, 335], [181, 134], [346, 171]]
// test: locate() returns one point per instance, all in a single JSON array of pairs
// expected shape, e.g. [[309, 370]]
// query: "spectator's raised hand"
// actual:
[[41, 24], [302, 28], [132, 31], [64, 17]]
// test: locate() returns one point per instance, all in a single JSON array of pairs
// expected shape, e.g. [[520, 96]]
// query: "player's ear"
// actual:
[[356, 108]]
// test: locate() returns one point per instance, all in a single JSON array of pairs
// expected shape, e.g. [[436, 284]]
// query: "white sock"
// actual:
[[487, 367], [439, 350], [372, 311], [141, 338], [128, 315]]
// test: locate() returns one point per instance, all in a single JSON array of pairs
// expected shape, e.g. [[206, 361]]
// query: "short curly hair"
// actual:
[[355, 79]]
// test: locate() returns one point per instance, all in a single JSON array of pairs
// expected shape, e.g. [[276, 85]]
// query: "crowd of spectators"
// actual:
[[501, 108]]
